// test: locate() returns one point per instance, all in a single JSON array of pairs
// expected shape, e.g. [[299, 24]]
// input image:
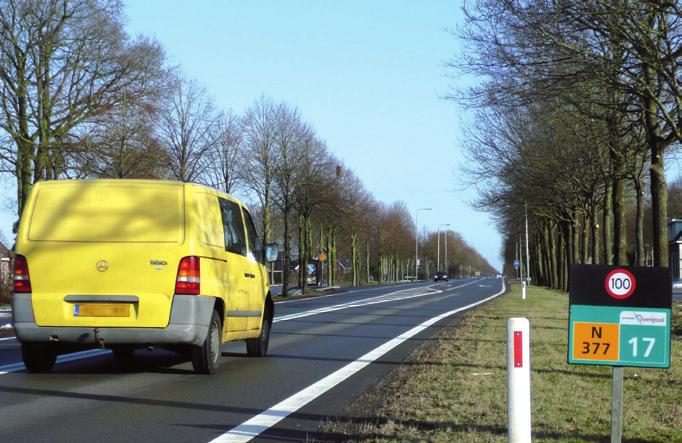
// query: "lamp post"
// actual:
[[447, 268], [416, 242], [438, 248]]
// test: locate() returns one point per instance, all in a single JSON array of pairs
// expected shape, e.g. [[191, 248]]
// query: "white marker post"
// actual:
[[518, 380]]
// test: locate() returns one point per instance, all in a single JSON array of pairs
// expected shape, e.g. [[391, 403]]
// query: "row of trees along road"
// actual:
[[577, 112], [79, 98]]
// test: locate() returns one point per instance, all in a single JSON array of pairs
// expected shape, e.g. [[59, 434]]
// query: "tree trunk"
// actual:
[[608, 226], [639, 223], [286, 253], [619, 227], [354, 257], [301, 251], [555, 254], [586, 238], [594, 228], [568, 228], [659, 203], [546, 240], [565, 257], [367, 260], [575, 239]]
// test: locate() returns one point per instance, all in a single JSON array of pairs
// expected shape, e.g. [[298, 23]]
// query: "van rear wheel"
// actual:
[[38, 357], [206, 358], [258, 347]]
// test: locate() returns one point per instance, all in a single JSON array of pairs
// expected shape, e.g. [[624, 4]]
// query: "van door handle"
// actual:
[[249, 275]]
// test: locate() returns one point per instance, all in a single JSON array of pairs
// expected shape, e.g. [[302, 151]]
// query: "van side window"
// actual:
[[233, 226], [255, 244]]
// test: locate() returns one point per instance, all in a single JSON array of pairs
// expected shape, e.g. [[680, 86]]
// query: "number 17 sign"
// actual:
[[619, 316]]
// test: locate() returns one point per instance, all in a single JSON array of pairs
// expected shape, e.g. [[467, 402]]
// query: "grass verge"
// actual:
[[453, 388]]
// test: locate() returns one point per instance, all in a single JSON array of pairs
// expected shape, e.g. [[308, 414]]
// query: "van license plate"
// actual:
[[101, 310]]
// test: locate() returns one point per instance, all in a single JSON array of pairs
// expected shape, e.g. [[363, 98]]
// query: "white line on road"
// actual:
[[355, 291], [266, 419], [385, 298], [17, 367]]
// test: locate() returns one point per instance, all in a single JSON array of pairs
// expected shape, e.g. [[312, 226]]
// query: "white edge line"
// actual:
[[18, 367], [266, 419]]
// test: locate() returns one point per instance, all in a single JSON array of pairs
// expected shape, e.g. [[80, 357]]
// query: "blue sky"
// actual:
[[367, 75]]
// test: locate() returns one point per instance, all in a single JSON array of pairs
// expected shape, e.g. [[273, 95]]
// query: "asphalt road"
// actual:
[[324, 352]]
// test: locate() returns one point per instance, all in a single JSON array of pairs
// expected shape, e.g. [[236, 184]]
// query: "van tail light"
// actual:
[[188, 281], [22, 281]]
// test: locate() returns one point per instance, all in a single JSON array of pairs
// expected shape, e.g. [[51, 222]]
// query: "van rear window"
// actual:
[[97, 212]]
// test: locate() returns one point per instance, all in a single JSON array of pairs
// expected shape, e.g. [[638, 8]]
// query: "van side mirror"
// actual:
[[271, 252]]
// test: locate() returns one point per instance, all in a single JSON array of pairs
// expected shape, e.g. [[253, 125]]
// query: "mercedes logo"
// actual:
[[102, 265]]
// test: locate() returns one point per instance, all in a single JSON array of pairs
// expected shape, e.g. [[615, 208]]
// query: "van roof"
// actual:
[[140, 181]]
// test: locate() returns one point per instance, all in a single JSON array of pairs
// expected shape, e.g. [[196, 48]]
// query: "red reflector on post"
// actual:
[[518, 349], [188, 281], [22, 280]]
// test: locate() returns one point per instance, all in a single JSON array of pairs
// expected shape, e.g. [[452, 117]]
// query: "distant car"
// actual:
[[440, 275]]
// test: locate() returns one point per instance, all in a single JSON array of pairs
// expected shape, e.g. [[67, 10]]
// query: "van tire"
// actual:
[[38, 357], [258, 347], [206, 358]]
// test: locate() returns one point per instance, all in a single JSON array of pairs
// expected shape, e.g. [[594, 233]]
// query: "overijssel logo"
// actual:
[[643, 318]]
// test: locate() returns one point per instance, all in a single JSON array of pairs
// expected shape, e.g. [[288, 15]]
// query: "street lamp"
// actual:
[[416, 242], [438, 249]]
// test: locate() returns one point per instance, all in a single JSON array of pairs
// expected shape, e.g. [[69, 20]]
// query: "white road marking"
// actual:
[[7, 338], [353, 304], [385, 298], [338, 293], [17, 367], [266, 419]]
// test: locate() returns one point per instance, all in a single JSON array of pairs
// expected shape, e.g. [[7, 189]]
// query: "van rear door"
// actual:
[[103, 253]]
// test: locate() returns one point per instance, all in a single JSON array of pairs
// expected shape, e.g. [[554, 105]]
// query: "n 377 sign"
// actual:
[[619, 316]]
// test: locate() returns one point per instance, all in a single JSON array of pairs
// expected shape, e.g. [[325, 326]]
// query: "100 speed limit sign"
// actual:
[[620, 283]]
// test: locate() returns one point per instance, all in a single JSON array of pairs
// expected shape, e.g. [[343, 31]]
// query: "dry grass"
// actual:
[[454, 388]]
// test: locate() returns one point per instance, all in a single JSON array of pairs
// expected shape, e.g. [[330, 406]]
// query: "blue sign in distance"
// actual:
[[517, 264]]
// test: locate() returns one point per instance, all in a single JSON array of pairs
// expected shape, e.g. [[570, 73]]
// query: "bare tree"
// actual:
[[63, 62], [261, 155], [186, 130], [225, 158], [120, 144], [290, 133]]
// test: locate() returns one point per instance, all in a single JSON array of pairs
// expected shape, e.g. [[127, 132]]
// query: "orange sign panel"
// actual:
[[595, 341]]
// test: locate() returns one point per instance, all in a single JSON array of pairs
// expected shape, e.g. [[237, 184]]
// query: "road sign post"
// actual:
[[619, 316]]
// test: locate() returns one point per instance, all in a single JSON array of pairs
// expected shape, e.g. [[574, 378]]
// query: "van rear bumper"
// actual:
[[189, 321]]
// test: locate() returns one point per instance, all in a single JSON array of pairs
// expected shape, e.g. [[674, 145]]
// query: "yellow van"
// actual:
[[124, 264]]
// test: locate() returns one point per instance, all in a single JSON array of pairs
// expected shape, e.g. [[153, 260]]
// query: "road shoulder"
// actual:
[[453, 388]]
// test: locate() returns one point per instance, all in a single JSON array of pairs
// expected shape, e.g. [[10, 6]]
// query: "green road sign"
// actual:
[[619, 316], [614, 336]]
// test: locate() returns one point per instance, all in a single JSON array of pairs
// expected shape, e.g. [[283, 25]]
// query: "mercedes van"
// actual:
[[125, 264]]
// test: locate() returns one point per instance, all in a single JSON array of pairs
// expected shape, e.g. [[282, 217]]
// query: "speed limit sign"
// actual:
[[620, 283]]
